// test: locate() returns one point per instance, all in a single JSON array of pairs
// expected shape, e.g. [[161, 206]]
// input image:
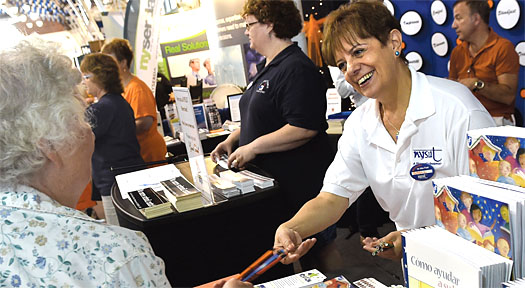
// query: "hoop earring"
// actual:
[[397, 53]]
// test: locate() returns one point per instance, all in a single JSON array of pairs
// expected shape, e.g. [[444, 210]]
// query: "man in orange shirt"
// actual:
[[484, 62], [141, 99]]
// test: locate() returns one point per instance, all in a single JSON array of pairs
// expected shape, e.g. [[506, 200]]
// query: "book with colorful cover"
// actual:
[[498, 154], [484, 213]]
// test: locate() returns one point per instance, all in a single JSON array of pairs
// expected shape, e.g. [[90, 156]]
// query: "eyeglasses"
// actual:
[[87, 76], [249, 25]]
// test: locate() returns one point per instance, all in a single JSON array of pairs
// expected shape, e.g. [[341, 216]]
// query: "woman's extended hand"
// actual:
[[394, 253], [291, 241]]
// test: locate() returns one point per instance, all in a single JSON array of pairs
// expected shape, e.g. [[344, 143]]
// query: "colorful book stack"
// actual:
[[498, 154], [244, 184], [488, 214], [433, 257], [182, 194], [150, 203], [258, 180]]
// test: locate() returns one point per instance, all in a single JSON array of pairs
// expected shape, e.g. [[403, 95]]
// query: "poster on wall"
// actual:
[[186, 48], [230, 24]]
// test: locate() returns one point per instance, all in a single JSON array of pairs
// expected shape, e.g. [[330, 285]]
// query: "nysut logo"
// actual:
[[265, 85]]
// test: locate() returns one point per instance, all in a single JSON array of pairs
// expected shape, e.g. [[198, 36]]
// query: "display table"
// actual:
[[205, 244]]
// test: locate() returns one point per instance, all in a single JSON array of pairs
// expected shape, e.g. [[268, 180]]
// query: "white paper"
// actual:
[[150, 177]]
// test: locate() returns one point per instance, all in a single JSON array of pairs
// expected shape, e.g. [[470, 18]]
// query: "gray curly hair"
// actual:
[[40, 107]]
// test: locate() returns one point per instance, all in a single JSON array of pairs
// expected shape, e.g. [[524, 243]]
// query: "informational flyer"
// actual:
[[193, 144]]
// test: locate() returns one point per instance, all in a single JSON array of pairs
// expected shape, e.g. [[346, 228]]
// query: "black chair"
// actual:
[[196, 92]]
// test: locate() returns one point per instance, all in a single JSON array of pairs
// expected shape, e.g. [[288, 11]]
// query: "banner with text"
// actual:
[[147, 42]]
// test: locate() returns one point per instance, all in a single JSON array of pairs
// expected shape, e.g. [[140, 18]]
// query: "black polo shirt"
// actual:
[[290, 90], [116, 142]]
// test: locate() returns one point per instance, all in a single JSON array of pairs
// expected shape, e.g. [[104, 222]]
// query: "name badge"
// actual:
[[422, 171]]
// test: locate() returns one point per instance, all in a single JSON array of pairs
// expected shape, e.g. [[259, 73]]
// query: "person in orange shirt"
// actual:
[[484, 62], [141, 99]]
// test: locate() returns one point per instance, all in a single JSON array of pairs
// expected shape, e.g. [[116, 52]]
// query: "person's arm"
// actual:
[[504, 91], [286, 138], [313, 217], [143, 124], [150, 271]]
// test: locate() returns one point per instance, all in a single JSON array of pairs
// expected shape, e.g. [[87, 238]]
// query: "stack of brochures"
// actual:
[[223, 186], [150, 203], [433, 257], [243, 183], [258, 180], [486, 213], [335, 126], [182, 194]]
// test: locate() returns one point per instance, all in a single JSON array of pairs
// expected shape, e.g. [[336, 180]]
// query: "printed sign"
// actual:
[[191, 140], [411, 23], [439, 12], [508, 13], [439, 44], [414, 60]]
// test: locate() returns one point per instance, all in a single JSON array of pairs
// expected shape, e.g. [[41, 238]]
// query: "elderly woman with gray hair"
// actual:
[[45, 155], [45, 163]]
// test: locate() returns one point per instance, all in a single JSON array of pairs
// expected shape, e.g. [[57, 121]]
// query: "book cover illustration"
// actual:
[[478, 219], [498, 158]]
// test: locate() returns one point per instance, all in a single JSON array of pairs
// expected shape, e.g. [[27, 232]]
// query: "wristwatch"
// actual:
[[478, 85]]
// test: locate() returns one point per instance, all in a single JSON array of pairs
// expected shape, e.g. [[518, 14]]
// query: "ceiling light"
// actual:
[[39, 23], [29, 25]]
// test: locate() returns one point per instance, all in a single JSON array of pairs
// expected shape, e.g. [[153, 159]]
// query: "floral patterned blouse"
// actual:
[[43, 243]]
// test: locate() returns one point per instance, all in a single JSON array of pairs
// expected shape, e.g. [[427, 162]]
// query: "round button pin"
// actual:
[[422, 172]]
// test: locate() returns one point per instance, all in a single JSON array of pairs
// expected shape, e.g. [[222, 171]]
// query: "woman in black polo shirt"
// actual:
[[113, 124], [282, 110]]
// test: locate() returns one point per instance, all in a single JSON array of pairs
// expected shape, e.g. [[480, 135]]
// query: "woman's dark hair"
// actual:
[[520, 152], [105, 72], [362, 20], [120, 48], [473, 208], [283, 14]]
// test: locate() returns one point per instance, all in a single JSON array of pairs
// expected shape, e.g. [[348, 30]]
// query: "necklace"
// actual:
[[390, 123]]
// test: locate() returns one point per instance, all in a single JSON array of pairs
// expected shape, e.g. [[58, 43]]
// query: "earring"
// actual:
[[397, 53]]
